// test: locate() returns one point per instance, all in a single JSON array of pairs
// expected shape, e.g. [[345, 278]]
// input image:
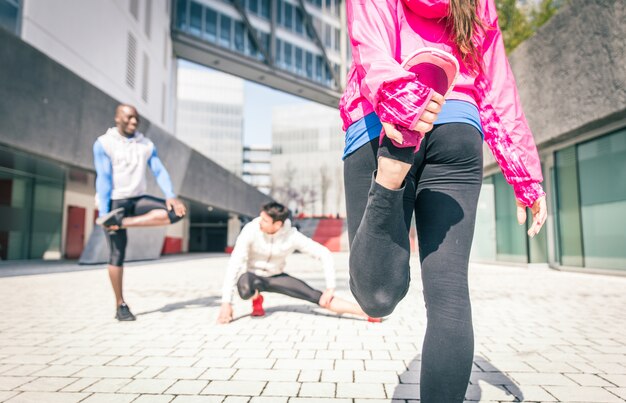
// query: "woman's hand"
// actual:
[[540, 213], [425, 122]]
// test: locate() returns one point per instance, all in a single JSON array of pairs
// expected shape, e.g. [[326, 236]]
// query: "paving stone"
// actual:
[[187, 387], [317, 389], [285, 389], [147, 386], [46, 384], [155, 399], [47, 397], [237, 388], [583, 394], [361, 390], [110, 398]]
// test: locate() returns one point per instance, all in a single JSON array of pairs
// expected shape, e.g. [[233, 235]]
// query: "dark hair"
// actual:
[[464, 23], [277, 211]]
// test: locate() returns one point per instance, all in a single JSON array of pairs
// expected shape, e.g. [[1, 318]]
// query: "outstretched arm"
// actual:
[[308, 246], [506, 131], [237, 262], [165, 183], [104, 178]]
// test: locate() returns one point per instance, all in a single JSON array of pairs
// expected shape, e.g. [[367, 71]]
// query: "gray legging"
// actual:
[[442, 189]]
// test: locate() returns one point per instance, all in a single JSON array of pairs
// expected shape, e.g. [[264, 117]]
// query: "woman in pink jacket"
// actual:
[[438, 175]]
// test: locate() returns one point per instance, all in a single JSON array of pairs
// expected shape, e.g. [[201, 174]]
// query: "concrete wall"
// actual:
[[571, 74], [47, 110], [90, 37]]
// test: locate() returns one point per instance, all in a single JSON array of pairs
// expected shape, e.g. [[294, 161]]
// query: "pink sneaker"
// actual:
[[434, 68]]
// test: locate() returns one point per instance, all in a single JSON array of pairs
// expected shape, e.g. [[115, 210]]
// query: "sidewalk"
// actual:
[[541, 336]]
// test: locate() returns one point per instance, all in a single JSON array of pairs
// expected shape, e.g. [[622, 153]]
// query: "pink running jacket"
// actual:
[[384, 32]]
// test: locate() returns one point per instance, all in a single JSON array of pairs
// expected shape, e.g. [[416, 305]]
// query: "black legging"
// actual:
[[442, 189], [134, 206], [282, 283]]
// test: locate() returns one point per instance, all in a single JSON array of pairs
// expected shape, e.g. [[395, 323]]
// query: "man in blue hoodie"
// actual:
[[121, 156]]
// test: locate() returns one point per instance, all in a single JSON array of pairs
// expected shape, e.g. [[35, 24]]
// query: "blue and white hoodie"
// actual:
[[121, 168]]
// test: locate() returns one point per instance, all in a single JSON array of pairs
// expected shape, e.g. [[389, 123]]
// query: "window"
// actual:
[[131, 60], [279, 12], [253, 6], [265, 9], [288, 55], [181, 14], [319, 65], [278, 52], [309, 65], [299, 64], [225, 27], [288, 15], [148, 19], [327, 36], [9, 15], [210, 25], [195, 17], [299, 21], [146, 80], [240, 31]]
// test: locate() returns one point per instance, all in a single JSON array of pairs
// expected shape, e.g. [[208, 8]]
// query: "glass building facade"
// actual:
[[292, 56], [586, 186], [31, 206]]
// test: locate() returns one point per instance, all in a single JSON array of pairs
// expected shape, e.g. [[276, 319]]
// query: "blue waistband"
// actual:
[[368, 127]]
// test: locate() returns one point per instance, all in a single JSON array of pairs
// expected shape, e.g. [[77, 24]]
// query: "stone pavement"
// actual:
[[541, 336]]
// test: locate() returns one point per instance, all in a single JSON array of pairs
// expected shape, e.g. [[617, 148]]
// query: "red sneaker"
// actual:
[[374, 320], [257, 306]]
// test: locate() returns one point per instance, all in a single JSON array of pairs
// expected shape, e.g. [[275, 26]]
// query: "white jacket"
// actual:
[[265, 255]]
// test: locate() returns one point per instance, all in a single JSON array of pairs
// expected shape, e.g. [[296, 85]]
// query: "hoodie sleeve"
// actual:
[[308, 246], [104, 177], [236, 263], [161, 174], [396, 94], [506, 131]]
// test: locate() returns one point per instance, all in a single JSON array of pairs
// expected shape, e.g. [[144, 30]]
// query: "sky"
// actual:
[[257, 115], [257, 110]]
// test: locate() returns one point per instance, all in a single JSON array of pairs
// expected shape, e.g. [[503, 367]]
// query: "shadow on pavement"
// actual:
[[304, 309], [16, 268], [490, 374], [196, 303]]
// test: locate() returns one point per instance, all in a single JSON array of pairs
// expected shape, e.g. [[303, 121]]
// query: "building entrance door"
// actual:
[[75, 237]]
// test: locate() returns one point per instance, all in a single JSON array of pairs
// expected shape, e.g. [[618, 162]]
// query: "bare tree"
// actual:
[[339, 189], [325, 183]]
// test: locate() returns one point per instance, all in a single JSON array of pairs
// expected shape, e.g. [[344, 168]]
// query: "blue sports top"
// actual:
[[367, 128]]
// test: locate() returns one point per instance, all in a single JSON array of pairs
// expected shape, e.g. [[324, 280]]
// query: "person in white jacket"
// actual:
[[258, 260]]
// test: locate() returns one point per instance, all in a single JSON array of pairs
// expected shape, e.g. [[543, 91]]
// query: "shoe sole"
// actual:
[[103, 221]]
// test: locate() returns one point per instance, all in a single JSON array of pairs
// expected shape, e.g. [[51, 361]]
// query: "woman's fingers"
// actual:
[[423, 127], [392, 132], [540, 214]]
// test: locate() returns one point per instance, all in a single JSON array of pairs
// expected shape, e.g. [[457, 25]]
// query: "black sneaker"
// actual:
[[123, 313], [112, 218]]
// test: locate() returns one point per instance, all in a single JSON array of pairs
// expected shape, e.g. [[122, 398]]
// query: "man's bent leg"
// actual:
[[150, 212]]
